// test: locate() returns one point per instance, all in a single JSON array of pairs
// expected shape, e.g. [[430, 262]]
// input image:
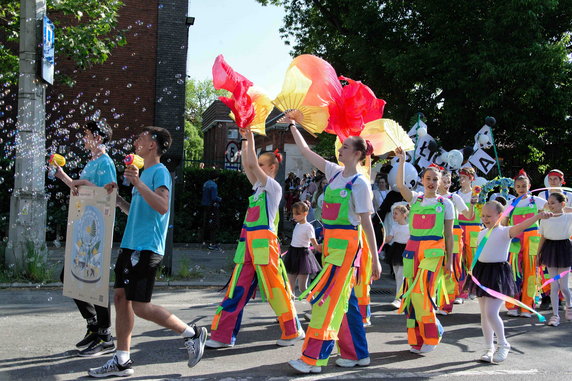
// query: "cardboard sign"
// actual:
[[482, 161], [89, 239]]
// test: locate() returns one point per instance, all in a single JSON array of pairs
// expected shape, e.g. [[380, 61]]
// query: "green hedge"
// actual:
[[234, 189]]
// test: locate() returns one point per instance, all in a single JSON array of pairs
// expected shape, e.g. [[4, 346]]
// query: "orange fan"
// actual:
[[310, 86]]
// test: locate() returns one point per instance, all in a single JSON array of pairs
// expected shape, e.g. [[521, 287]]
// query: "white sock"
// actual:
[[188, 332], [122, 356]]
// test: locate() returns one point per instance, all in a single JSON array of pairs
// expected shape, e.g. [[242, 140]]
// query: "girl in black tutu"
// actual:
[[555, 252], [493, 271], [299, 261]]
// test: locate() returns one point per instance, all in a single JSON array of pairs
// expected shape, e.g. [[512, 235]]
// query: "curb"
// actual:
[[386, 288]]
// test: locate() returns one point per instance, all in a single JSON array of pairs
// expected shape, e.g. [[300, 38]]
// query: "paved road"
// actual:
[[38, 328]]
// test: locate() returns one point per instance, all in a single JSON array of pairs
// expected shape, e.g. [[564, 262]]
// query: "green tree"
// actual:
[[85, 32], [456, 62], [199, 95]]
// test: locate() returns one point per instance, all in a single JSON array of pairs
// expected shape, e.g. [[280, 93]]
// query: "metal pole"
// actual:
[[27, 229]]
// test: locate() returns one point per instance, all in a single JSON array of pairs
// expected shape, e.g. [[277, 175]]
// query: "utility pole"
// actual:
[[27, 230]]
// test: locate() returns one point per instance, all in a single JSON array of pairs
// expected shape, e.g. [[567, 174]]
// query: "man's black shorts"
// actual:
[[137, 277]]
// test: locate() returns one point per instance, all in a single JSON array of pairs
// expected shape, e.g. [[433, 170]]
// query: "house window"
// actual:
[[232, 134]]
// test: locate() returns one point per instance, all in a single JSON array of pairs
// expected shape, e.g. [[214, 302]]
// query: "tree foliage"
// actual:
[[456, 62], [198, 97], [85, 32]]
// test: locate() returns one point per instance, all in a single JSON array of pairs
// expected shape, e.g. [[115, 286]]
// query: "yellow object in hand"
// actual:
[[133, 159], [56, 159]]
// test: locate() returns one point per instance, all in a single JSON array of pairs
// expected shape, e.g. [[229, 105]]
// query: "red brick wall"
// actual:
[[123, 88]]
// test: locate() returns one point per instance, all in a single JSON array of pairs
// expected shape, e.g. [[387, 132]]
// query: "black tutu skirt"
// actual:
[[394, 254], [556, 253], [299, 260], [496, 276]]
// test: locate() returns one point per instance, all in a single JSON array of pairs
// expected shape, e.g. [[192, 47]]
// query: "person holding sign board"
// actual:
[[99, 171], [142, 250]]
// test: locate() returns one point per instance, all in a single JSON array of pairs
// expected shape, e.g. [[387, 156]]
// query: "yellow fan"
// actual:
[[314, 119], [262, 108], [310, 86], [386, 135]]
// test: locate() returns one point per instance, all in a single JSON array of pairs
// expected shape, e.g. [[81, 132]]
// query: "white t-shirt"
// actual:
[[449, 208], [546, 193], [526, 201], [302, 235], [399, 232], [496, 248], [458, 203], [273, 196], [466, 197], [557, 228], [361, 199]]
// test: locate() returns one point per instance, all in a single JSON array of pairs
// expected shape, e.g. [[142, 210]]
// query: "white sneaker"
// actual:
[[459, 301], [488, 356], [367, 324], [213, 344], [525, 314], [347, 363], [568, 313], [302, 367], [442, 312], [112, 368], [289, 342], [415, 350], [396, 303], [196, 345], [426, 348], [554, 321], [512, 313], [501, 353]]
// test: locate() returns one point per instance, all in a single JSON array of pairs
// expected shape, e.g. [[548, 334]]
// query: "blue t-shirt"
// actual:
[[100, 171], [146, 228]]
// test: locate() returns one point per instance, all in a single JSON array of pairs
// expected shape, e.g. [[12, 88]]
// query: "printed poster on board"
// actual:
[[89, 239]]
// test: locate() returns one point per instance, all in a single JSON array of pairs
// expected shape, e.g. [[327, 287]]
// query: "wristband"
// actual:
[[291, 125]]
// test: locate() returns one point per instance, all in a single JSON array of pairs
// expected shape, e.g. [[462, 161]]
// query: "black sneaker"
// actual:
[[196, 345], [90, 336], [112, 368], [97, 348]]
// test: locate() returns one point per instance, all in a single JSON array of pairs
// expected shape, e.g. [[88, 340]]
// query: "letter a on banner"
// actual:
[[482, 161]]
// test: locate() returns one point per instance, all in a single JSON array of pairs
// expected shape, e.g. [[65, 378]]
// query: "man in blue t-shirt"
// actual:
[[142, 250], [99, 171], [210, 203]]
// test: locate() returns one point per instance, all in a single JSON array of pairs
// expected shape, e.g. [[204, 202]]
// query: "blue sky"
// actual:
[[246, 33]]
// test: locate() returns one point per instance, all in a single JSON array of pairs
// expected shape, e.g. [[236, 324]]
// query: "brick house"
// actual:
[[222, 140]]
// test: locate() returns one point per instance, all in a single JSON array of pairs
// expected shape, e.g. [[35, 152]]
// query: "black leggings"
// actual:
[[90, 311]]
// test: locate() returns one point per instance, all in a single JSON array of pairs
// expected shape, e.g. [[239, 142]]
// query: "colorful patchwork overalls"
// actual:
[[523, 251], [471, 229], [363, 285], [258, 262], [453, 283], [423, 258], [335, 305]]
